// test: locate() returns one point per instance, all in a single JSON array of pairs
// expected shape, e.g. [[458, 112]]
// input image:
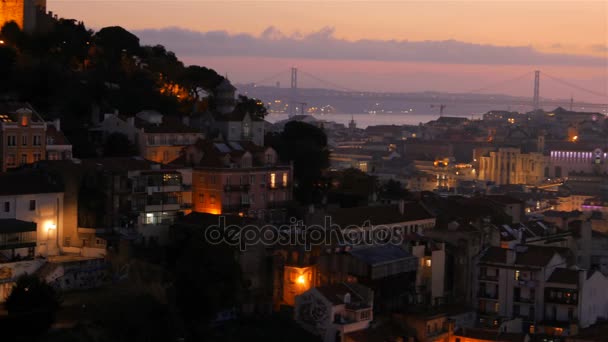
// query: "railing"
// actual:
[[236, 207], [523, 300], [236, 188], [486, 295], [486, 277]]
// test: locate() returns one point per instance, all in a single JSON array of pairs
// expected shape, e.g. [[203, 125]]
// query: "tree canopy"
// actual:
[[32, 306], [306, 146]]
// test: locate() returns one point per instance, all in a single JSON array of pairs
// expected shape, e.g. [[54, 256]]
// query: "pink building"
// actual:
[[237, 177]]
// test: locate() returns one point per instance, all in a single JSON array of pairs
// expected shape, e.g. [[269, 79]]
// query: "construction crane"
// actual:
[[441, 108]]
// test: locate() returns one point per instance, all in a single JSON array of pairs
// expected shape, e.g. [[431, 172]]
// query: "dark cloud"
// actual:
[[600, 48], [323, 44]]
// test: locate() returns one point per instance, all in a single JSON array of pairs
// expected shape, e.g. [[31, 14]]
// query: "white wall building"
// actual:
[[335, 310]]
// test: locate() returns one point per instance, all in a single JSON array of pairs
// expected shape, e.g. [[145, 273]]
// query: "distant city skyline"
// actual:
[[386, 46]]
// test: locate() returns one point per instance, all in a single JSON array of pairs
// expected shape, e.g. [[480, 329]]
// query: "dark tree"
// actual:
[[252, 106], [118, 145], [352, 187], [207, 279], [8, 57], [32, 306], [306, 146], [197, 78], [12, 34], [115, 40], [393, 190]]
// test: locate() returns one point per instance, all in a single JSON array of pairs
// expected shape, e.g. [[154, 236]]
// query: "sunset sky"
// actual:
[[384, 45]]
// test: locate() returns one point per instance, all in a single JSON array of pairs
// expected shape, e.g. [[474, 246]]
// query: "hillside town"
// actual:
[[182, 200]]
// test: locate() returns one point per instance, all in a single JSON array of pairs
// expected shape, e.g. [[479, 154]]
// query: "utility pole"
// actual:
[[536, 100]]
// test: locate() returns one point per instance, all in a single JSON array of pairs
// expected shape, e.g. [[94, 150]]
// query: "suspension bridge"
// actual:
[[296, 104]]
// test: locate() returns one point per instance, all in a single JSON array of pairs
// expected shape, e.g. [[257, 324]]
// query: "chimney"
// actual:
[[510, 255], [401, 207], [57, 124], [347, 298]]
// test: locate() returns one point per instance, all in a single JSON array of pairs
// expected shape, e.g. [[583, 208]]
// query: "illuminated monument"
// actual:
[[24, 12]]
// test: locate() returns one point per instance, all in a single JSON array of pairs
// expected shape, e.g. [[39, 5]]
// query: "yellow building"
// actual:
[[508, 165]]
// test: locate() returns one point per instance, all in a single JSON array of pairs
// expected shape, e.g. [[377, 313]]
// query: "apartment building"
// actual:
[[335, 310], [31, 215], [158, 138], [22, 135], [235, 177]]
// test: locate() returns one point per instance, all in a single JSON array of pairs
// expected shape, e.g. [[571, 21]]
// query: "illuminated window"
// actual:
[[427, 262], [284, 179], [273, 180], [496, 307], [246, 130], [517, 275]]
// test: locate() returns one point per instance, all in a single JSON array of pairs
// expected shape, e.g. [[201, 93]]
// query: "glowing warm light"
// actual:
[[428, 262], [575, 138], [301, 279], [1, 41], [273, 180]]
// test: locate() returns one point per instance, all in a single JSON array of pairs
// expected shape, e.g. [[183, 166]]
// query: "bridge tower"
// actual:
[[536, 100], [294, 92]]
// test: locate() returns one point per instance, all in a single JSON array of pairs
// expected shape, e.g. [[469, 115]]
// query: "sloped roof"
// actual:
[[532, 255], [564, 276], [379, 254], [58, 138], [28, 182], [9, 110], [335, 292], [119, 164], [413, 211]]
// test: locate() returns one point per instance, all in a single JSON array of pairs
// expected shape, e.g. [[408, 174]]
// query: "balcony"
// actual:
[[523, 300], [486, 295], [236, 188], [17, 234], [277, 186], [235, 208], [485, 277], [278, 204]]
